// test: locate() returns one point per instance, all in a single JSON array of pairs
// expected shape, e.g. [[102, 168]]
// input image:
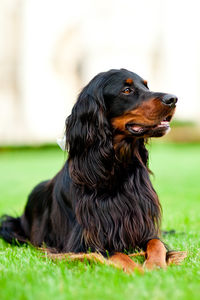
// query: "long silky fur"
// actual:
[[102, 199], [115, 203]]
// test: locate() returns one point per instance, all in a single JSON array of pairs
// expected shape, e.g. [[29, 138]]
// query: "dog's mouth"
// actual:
[[141, 129]]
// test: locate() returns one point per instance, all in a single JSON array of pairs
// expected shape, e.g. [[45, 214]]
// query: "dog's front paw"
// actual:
[[151, 264]]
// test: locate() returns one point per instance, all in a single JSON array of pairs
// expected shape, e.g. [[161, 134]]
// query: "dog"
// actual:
[[102, 200]]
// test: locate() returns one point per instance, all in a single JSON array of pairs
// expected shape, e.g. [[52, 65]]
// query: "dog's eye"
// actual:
[[127, 90]]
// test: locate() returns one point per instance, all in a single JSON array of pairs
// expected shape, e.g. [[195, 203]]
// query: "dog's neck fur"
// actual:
[[130, 150], [112, 214]]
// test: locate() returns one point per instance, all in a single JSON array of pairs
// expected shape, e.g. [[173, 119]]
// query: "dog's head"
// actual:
[[133, 109], [114, 109]]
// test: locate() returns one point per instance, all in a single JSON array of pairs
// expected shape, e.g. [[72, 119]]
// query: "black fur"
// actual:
[[102, 199]]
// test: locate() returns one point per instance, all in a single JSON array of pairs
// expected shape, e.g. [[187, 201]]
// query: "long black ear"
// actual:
[[89, 137]]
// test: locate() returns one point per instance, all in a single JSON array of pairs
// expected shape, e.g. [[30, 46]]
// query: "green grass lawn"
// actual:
[[26, 274]]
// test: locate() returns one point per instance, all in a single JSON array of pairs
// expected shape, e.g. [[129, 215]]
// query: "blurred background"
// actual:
[[50, 49]]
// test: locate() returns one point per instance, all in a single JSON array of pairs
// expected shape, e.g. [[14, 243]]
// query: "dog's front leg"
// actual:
[[122, 261], [155, 255]]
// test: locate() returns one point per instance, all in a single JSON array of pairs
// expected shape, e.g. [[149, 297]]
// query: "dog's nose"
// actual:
[[169, 99]]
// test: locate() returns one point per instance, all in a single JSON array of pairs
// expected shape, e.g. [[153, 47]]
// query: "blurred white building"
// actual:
[[50, 49]]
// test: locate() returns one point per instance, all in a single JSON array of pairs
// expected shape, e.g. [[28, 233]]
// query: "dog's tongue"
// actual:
[[136, 128]]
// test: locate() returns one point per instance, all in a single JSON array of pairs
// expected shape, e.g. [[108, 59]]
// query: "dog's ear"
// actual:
[[89, 137]]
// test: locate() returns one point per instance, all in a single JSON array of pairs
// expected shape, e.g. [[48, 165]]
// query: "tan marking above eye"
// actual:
[[145, 82], [129, 81]]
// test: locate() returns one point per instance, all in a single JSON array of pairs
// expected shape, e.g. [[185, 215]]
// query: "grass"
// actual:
[[25, 274]]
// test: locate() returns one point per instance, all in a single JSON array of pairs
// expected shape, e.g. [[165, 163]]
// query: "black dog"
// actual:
[[102, 200]]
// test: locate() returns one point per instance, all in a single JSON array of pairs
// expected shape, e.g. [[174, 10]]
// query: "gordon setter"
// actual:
[[102, 200]]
